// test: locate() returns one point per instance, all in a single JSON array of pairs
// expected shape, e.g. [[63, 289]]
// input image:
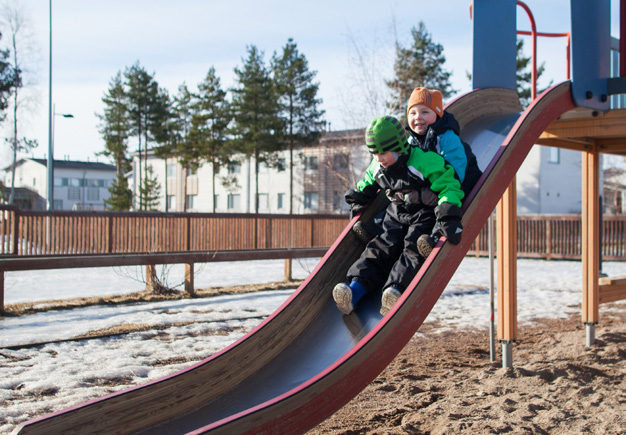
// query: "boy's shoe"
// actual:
[[425, 245], [389, 299], [342, 294], [365, 232]]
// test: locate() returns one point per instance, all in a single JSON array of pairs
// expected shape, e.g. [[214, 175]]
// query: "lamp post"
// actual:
[[51, 157]]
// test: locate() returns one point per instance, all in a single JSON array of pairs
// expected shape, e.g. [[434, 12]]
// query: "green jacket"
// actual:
[[414, 171]]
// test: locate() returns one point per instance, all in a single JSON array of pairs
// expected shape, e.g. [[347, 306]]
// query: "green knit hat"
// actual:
[[386, 133]]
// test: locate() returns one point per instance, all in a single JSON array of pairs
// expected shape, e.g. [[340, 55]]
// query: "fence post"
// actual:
[[288, 269], [150, 277], [548, 239], [15, 230], [189, 284], [1, 291]]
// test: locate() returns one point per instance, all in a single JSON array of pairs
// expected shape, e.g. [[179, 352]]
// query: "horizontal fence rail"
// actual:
[[36, 233]]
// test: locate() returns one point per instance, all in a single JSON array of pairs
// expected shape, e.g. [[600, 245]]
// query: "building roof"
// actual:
[[71, 164]]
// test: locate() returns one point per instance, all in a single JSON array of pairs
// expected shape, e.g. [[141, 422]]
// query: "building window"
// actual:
[[60, 182], [93, 194], [171, 170], [58, 204], [310, 200], [281, 165], [554, 155], [73, 194], [234, 201], [340, 161], [281, 201], [310, 163], [190, 202], [263, 201], [191, 172], [171, 203], [234, 168], [34, 181], [216, 201], [338, 202]]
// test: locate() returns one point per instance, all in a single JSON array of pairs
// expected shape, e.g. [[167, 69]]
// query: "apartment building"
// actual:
[[77, 185]]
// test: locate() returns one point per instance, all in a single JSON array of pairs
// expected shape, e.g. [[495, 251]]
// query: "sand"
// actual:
[[445, 383]]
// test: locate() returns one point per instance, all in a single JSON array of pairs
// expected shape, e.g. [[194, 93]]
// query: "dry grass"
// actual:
[[21, 309]]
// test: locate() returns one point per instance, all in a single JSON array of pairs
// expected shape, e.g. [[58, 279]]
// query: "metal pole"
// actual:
[[50, 196], [492, 333]]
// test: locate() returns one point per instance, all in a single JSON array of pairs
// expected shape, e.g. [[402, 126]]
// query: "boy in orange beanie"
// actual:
[[433, 129]]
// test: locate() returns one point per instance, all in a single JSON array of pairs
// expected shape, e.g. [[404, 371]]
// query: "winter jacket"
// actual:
[[443, 138], [412, 172]]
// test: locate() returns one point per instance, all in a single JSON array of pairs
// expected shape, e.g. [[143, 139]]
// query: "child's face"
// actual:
[[385, 159], [420, 117]]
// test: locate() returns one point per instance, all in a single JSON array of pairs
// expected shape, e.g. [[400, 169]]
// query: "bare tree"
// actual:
[[16, 26], [364, 94]]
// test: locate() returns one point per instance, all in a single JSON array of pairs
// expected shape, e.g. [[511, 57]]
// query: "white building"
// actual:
[[77, 185], [322, 172], [549, 182]]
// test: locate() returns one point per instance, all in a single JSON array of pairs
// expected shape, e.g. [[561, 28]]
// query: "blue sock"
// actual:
[[358, 291]]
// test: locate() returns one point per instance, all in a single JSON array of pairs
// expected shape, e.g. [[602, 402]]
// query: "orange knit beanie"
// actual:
[[428, 97]]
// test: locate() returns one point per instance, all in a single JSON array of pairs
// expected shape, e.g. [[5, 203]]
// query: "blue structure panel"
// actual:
[[494, 44], [591, 45]]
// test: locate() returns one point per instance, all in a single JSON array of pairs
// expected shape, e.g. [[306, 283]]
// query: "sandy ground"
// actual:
[[444, 383]]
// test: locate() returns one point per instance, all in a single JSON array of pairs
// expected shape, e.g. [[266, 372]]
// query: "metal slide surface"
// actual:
[[307, 360]]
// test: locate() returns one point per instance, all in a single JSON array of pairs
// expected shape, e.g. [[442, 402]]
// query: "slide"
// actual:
[[307, 360]]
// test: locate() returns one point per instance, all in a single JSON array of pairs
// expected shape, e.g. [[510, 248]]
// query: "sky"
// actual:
[[65, 373], [179, 41]]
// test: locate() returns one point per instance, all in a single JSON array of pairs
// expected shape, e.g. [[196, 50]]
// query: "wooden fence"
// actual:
[[32, 233]]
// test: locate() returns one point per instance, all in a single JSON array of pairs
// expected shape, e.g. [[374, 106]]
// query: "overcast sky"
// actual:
[[179, 41]]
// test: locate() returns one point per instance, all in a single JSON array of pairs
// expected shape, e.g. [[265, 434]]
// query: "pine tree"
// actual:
[[209, 122], [121, 197], [524, 75], [114, 124], [299, 105], [148, 112], [258, 126], [149, 191], [421, 64]]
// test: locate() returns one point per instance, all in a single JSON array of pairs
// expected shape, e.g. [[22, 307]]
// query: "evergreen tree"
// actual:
[[298, 102], [258, 126], [114, 124], [121, 197], [524, 75], [149, 191], [421, 64], [148, 112], [210, 119]]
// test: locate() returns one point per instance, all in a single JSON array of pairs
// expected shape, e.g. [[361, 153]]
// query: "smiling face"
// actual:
[[420, 117], [385, 159]]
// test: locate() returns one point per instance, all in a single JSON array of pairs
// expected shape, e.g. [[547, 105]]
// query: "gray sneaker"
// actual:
[[389, 299], [425, 245], [342, 294]]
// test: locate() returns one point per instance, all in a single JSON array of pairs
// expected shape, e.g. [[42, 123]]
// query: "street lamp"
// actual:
[[51, 158]]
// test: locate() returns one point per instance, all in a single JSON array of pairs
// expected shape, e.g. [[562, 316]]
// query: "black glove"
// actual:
[[449, 222], [397, 197]]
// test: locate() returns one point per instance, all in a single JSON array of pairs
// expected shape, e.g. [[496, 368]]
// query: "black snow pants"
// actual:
[[392, 259]]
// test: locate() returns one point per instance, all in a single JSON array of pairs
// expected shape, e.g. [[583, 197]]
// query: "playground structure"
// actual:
[[307, 360]]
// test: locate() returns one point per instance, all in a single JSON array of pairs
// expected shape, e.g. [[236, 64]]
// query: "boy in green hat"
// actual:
[[391, 260]]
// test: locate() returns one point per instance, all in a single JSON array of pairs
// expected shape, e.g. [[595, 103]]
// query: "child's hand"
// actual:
[[449, 222], [424, 196]]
